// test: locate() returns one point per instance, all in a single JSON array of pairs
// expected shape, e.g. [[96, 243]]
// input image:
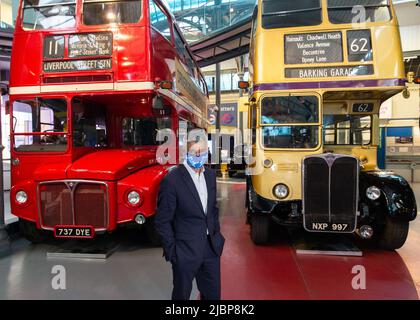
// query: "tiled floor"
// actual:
[[138, 271], [277, 272]]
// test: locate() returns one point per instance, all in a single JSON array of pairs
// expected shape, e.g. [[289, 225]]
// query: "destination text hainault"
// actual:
[[77, 65], [313, 48]]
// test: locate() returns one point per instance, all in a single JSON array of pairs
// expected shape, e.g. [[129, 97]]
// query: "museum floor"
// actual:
[[137, 271]]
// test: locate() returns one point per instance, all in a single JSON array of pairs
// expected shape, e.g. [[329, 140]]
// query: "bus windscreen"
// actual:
[[283, 122]]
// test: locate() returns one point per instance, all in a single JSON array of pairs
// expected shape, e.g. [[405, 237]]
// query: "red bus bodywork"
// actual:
[[88, 186]]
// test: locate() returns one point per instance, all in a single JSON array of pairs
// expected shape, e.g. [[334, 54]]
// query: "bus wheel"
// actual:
[[393, 235], [152, 235], [260, 229], [31, 233]]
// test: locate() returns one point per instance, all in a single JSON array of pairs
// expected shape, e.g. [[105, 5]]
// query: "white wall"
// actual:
[[410, 37]]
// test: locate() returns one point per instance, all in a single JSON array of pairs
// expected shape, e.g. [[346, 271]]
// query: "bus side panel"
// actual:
[[162, 57], [28, 211], [146, 181], [25, 67], [25, 176]]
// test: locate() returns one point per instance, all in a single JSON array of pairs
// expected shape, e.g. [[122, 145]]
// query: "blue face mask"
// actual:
[[197, 162]]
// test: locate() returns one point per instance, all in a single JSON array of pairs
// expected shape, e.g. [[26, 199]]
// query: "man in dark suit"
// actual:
[[187, 220]]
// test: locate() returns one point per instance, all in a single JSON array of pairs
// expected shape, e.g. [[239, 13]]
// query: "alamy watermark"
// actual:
[[235, 144], [359, 280], [58, 281]]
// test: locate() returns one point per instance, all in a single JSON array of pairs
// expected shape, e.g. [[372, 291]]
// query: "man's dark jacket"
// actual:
[[181, 221]]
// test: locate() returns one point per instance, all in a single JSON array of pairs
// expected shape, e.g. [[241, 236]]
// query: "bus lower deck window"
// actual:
[[347, 130], [290, 109], [138, 132], [282, 120], [105, 12], [291, 137], [286, 13], [89, 125]]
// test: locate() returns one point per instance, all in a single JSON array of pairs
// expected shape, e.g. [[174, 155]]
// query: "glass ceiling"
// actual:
[[200, 19]]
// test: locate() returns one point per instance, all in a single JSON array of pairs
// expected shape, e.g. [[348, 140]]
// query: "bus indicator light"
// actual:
[[166, 85], [243, 85]]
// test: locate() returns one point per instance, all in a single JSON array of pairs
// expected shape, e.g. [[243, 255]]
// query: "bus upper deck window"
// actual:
[[48, 14], [97, 12], [358, 11], [286, 13]]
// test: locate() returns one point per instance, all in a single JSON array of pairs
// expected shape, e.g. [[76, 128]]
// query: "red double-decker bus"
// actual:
[[92, 82]]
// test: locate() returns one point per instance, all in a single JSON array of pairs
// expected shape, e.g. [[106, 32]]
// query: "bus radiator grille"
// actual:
[[73, 203], [330, 193]]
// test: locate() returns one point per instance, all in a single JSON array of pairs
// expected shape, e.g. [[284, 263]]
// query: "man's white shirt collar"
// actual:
[[191, 171]]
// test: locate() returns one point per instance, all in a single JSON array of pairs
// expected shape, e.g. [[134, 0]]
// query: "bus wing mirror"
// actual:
[[158, 103], [7, 107], [4, 89], [159, 108], [410, 77], [14, 123], [243, 85]]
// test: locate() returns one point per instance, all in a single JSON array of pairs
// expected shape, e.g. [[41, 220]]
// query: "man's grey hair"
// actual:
[[197, 136]]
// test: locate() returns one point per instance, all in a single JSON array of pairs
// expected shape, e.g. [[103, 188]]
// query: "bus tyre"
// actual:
[[260, 229], [394, 234], [151, 232], [248, 217], [31, 233]]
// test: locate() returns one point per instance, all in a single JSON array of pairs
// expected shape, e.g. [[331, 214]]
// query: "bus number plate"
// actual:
[[329, 227], [54, 47], [359, 45], [363, 107], [87, 232]]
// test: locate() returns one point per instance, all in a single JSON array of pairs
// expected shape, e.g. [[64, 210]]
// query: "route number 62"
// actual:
[[359, 45]]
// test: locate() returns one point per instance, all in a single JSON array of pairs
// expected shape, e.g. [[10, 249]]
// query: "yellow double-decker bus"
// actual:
[[319, 72]]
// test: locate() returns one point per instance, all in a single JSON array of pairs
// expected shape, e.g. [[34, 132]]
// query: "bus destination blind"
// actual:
[[312, 48]]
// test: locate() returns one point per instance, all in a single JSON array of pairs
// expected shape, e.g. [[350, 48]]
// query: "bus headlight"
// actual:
[[281, 191], [133, 198], [21, 197], [373, 193]]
